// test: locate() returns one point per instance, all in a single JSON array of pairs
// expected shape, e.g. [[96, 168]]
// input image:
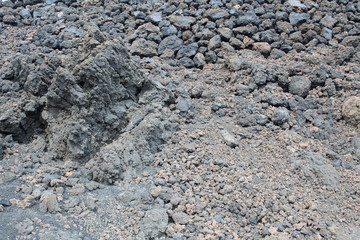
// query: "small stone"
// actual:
[[263, 47], [199, 60], [182, 21], [281, 115], [284, 27], [326, 33], [154, 222], [155, 17], [25, 13], [180, 217], [184, 104], [328, 21], [229, 139], [6, 176], [300, 85], [356, 145], [215, 14], [215, 42], [351, 111], [49, 200], [143, 48], [297, 19], [5, 202], [296, 3], [155, 191], [248, 18], [172, 42], [236, 63]]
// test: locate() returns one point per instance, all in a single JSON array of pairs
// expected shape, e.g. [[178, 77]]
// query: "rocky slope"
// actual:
[[136, 119]]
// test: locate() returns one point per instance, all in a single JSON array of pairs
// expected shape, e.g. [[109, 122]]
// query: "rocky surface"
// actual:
[[207, 119]]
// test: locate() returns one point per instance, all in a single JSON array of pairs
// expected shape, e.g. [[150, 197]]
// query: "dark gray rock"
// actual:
[[328, 21], [199, 60], [25, 13], [225, 33], [172, 42], [297, 19], [186, 62], [188, 50], [215, 42], [296, 3], [300, 85], [281, 115], [5, 202], [183, 22], [215, 14], [168, 31], [326, 33], [184, 104], [356, 145], [155, 17], [248, 18], [143, 48], [154, 223]]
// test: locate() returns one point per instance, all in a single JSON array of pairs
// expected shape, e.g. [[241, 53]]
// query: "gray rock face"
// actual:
[[154, 223], [96, 93], [297, 19], [300, 85]]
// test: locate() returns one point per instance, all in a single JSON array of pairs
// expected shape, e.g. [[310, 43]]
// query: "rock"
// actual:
[[246, 30], [328, 21], [296, 3], [25, 13], [186, 62], [326, 33], [229, 139], [188, 50], [168, 31], [281, 115], [236, 63], [25, 227], [154, 223], [225, 33], [5, 202], [180, 217], [351, 111], [263, 47], [199, 60], [6, 176], [297, 19], [172, 42], [9, 19], [356, 145], [143, 48], [183, 22], [49, 202], [215, 14], [215, 42], [183, 104], [316, 167], [248, 18], [299, 85], [285, 27], [351, 41], [155, 17]]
